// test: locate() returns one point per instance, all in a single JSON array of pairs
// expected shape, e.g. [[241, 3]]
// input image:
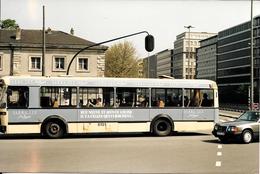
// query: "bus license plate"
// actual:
[[220, 133]]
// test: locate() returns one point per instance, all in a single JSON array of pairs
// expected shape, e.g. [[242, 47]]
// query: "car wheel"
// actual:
[[162, 127], [247, 136]]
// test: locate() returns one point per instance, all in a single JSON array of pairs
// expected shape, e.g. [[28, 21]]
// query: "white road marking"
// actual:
[[218, 163], [219, 153], [219, 146]]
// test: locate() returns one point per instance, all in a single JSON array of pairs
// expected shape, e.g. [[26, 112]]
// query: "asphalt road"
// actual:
[[128, 153]]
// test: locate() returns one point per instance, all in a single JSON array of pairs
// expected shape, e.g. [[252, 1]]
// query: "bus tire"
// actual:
[[162, 127], [54, 129]]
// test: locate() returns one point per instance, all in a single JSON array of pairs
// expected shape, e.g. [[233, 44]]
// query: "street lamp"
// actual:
[[149, 45], [189, 47], [252, 60]]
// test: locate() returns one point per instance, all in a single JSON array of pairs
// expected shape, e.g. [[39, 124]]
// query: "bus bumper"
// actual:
[[2, 128]]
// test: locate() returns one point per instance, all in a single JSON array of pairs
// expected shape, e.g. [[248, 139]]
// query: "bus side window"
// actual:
[[207, 100], [18, 97]]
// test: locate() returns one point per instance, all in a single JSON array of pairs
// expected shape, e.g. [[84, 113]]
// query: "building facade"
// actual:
[[164, 62], [184, 58], [233, 62], [21, 54], [207, 59], [150, 66]]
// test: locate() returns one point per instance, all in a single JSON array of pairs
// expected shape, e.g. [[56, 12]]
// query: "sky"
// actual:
[[101, 20]]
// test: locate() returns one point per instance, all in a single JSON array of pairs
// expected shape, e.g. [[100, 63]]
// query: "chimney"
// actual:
[[18, 33], [48, 30], [72, 31]]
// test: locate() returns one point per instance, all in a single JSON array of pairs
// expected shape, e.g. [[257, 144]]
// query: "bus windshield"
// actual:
[[2, 96]]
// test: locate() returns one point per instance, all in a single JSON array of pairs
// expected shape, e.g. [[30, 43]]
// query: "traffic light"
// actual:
[[149, 43]]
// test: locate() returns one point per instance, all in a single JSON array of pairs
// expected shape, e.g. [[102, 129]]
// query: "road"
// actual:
[[132, 153], [129, 153]]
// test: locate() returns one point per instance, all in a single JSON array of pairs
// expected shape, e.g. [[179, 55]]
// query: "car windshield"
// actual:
[[249, 116], [2, 96]]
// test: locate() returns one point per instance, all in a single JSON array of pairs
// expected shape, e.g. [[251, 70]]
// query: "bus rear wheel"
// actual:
[[54, 129], [162, 127]]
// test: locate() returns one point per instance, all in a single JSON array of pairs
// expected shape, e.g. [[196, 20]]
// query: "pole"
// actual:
[[85, 48], [43, 41], [252, 60]]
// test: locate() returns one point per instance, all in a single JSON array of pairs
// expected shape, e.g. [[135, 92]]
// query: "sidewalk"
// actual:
[[230, 114]]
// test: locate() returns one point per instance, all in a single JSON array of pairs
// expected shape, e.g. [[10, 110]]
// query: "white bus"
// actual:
[[56, 106]]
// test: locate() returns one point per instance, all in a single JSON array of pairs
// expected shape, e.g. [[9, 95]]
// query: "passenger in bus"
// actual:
[[55, 103], [22, 101], [90, 103], [205, 101], [169, 101], [196, 99], [160, 103], [99, 103]]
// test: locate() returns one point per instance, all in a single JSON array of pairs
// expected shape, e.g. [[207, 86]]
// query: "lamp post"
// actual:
[[252, 60], [149, 45], [189, 47]]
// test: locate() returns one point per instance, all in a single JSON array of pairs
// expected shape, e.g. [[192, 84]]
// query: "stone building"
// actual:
[[21, 54]]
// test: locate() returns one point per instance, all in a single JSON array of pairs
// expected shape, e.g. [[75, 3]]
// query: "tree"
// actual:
[[121, 61], [8, 24]]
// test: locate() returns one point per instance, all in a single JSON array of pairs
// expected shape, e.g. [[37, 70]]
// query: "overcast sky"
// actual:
[[100, 20]]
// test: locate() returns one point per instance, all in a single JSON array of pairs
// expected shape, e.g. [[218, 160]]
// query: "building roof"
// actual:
[[33, 38]]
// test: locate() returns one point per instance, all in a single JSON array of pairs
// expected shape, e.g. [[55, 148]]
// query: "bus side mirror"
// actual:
[[149, 43]]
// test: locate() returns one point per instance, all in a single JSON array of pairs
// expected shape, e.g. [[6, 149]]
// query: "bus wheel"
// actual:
[[54, 129], [162, 127]]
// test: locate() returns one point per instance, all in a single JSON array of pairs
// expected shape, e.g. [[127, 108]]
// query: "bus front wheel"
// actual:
[[54, 129], [162, 127]]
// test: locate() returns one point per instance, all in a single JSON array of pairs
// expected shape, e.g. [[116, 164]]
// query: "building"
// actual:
[[140, 68], [207, 59], [150, 66], [184, 58], [21, 54], [164, 62], [233, 62]]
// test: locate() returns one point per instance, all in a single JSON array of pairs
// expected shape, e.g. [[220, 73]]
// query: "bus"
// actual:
[[56, 106]]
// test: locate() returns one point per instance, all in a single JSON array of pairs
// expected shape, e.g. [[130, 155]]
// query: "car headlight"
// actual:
[[216, 127], [232, 129]]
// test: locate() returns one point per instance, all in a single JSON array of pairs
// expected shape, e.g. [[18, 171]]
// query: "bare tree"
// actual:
[[121, 61]]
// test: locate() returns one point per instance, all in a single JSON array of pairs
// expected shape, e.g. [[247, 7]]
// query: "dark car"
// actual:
[[245, 128]]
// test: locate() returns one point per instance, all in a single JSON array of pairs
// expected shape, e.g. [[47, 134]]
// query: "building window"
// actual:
[[35, 63], [59, 64], [82, 64], [1, 63]]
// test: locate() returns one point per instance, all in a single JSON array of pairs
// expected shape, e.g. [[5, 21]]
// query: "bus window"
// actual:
[[158, 97], [198, 98], [58, 97], [208, 98], [17, 97], [96, 97], [142, 97], [125, 97], [192, 97], [173, 97]]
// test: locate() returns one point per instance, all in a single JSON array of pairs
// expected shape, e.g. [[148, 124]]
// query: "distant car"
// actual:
[[245, 128]]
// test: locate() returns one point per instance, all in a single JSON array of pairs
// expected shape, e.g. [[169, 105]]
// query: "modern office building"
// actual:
[[164, 60], [150, 66], [233, 62], [184, 58], [207, 59]]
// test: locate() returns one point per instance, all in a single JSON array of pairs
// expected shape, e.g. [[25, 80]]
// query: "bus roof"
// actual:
[[107, 82]]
